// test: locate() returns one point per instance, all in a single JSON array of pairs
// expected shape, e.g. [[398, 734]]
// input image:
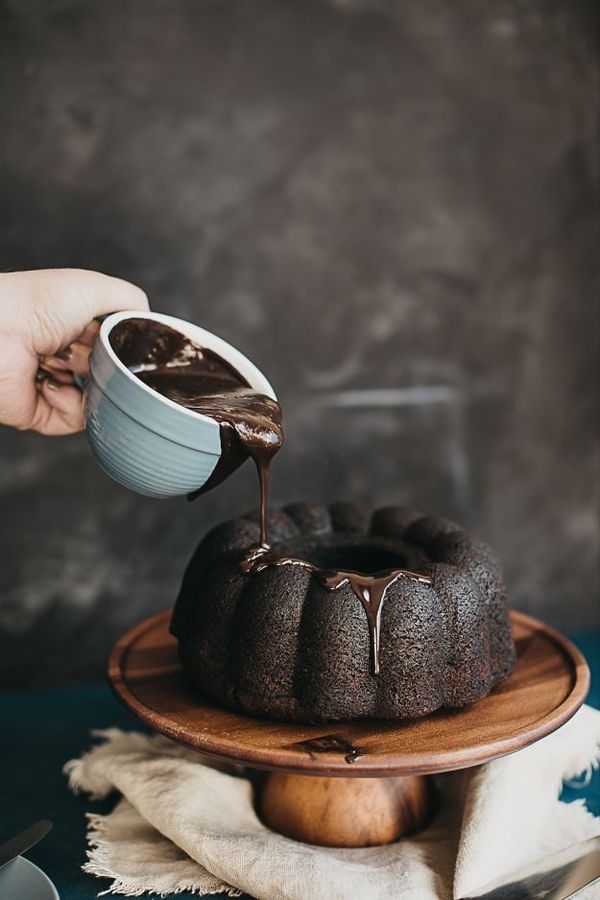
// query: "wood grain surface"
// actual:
[[549, 684], [344, 812]]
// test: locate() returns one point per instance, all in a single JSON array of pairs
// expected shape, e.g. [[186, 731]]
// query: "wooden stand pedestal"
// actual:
[[324, 796], [344, 812]]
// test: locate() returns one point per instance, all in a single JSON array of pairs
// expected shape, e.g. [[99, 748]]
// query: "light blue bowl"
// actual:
[[143, 440]]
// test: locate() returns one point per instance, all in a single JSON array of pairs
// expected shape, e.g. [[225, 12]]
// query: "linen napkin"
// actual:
[[181, 825]]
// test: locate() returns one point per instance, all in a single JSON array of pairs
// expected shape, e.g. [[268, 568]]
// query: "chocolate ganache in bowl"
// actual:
[[163, 406]]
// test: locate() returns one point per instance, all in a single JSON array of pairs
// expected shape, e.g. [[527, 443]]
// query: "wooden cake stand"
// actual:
[[360, 783]]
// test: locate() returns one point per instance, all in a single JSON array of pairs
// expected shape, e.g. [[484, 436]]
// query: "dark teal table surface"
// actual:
[[41, 730]]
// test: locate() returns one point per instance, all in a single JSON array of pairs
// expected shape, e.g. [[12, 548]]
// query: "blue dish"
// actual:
[[143, 440]]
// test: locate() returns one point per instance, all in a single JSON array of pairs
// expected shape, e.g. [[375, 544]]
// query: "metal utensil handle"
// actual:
[[23, 841]]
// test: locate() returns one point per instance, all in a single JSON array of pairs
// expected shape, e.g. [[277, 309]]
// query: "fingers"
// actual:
[[90, 333], [74, 358], [56, 306], [59, 409], [56, 374]]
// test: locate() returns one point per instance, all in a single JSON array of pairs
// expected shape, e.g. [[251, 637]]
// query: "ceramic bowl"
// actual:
[[22, 880], [143, 440]]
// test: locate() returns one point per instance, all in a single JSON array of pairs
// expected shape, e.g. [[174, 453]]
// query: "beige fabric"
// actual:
[[181, 825]]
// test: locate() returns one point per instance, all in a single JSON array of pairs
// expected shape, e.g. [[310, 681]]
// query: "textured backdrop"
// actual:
[[390, 207]]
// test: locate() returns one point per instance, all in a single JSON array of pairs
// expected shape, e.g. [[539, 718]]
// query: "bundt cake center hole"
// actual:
[[357, 557]]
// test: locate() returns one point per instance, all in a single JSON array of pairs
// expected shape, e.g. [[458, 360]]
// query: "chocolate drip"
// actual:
[[331, 743], [200, 380], [369, 589]]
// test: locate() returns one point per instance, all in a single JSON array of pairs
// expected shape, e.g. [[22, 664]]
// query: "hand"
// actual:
[[47, 330]]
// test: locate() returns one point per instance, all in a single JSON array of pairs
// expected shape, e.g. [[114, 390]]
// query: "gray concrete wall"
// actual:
[[390, 207]]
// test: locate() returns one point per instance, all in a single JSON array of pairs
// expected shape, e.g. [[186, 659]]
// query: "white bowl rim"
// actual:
[[197, 334]]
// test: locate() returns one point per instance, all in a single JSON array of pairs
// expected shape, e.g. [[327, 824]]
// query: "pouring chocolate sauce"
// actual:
[[202, 381], [250, 425]]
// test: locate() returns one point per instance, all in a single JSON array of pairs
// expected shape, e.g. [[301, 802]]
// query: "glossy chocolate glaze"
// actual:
[[369, 589], [199, 379]]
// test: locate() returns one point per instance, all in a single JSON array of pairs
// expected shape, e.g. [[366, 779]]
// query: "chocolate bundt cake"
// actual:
[[279, 642]]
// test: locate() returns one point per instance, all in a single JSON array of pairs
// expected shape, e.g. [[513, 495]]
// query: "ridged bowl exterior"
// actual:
[[144, 441], [138, 457]]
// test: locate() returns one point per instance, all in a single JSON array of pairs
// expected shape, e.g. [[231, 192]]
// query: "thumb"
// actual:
[[56, 305]]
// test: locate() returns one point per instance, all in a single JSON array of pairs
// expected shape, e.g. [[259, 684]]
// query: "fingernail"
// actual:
[[54, 385], [40, 375], [65, 354]]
